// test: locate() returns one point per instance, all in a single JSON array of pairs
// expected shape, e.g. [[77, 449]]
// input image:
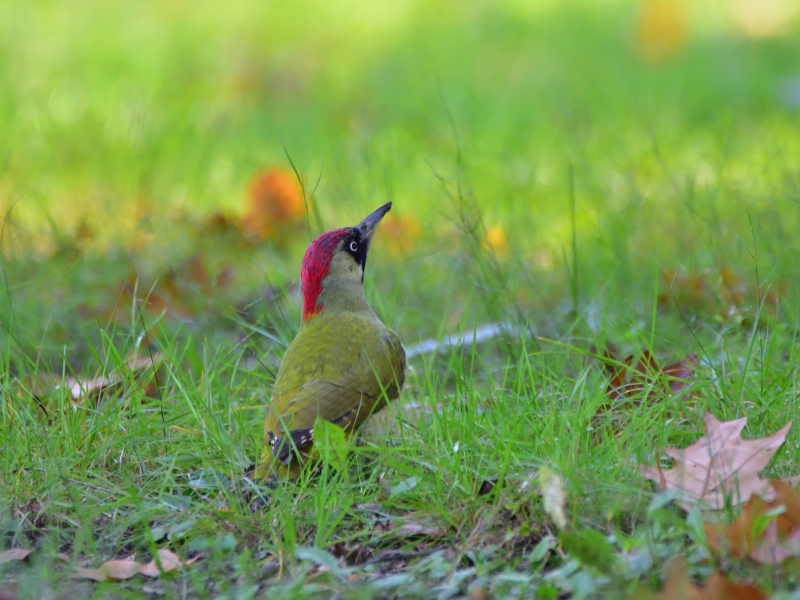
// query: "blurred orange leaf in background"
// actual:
[[720, 290], [496, 239], [662, 29], [400, 232], [274, 203], [679, 586]]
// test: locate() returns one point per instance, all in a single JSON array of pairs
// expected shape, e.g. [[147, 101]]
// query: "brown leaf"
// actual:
[[112, 569], [680, 373], [630, 380], [127, 568], [719, 466], [14, 554], [789, 497], [769, 543], [120, 569], [94, 574], [88, 388], [351, 553], [169, 562], [139, 365], [772, 549], [678, 586], [740, 537], [417, 525]]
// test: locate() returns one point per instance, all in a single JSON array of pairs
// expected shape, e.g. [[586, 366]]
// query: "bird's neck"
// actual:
[[339, 295]]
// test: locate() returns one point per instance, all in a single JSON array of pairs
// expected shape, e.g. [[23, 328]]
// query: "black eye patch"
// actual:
[[356, 247]]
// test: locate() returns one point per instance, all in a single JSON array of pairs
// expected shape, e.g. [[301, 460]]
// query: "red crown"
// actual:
[[316, 264]]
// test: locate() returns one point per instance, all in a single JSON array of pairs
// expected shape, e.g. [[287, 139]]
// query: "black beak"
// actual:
[[368, 225]]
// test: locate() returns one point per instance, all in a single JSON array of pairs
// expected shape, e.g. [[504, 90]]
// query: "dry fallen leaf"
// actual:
[[127, 568], [169, 562], [629, 380], [633, 381], [138, 365], [415, 524], [755, 534], [112, 569], [740, 537], [719, 466], [14, 554], [678, 586]]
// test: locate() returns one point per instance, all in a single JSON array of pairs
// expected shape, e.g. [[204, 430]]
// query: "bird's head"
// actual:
[[333, 266]]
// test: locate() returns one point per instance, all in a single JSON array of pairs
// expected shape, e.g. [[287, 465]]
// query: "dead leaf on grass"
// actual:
[[773, 549], [351, 553], [113, 569], [719, 466], [139, 366], [753, 533], [413, 525], [630, 380], [720, 291], [768, 539], [14, 554], [169, 562], [678, 586], [128, 567]]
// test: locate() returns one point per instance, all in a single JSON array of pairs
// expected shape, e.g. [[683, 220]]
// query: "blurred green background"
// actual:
[[128, 129]]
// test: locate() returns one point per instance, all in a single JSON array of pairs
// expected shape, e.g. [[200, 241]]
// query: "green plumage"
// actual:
[[343, 365]]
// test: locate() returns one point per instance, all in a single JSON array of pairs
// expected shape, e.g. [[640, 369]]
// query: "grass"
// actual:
[[558, 181]]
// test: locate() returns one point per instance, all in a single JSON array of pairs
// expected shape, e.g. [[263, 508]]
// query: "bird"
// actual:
[[343, 365]]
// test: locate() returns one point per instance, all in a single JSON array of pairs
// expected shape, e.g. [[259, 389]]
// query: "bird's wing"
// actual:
[[347, 401]]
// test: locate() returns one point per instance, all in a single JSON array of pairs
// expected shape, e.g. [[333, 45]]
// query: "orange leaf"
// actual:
[[662, 29], [399, 232], [772, 549], [678, 586], [741, 536], [274, 200], [772, 545]]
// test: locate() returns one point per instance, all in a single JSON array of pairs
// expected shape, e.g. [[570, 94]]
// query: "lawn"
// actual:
[[573, 183]]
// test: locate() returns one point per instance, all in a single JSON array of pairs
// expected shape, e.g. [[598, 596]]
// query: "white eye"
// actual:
[[353, 246]]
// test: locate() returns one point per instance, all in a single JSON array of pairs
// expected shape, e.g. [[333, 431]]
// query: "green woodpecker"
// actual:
[[343, 364]]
